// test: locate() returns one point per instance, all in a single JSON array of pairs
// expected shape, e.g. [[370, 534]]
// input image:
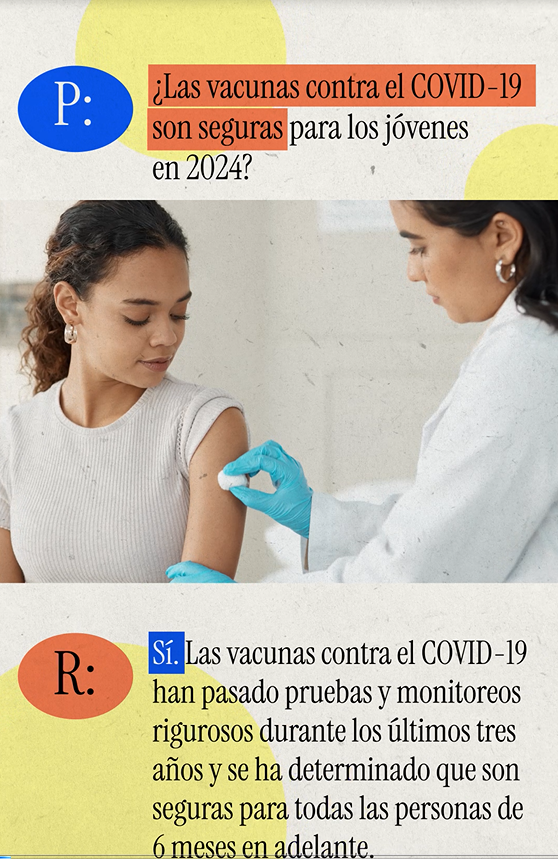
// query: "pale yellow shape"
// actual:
[[521, 164], [123, 37], [85, 786]]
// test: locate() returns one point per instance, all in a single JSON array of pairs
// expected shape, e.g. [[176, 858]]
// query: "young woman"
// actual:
[[109, 472], [484, 505]]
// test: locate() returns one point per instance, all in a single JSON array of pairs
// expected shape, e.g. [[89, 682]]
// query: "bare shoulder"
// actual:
[[216, 518], [227, 435], [10, 570]]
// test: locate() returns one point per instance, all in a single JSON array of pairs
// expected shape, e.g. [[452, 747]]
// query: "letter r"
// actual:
[[62, 671]]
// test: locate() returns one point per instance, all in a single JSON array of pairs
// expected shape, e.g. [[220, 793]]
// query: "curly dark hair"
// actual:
[[537, 258], [87, 243]]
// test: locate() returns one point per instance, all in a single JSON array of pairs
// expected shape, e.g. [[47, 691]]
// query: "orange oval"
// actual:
[[75, 675]]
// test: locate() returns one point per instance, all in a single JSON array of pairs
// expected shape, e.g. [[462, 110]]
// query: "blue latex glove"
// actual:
[[291, 502], [188, 572]]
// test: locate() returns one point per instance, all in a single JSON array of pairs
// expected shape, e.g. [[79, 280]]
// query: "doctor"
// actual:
[[484, 504]]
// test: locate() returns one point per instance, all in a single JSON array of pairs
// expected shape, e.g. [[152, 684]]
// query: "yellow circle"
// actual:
[[521, 164], [88, 786], [122, 37]]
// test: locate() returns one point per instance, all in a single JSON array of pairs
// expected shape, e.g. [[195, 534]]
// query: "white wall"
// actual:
[[303, 311]]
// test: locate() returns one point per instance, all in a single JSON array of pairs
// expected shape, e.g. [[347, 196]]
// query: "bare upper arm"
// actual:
[[215, 517], [10, 571]]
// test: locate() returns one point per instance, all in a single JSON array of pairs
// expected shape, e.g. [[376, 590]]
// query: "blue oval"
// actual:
[[75, 108]]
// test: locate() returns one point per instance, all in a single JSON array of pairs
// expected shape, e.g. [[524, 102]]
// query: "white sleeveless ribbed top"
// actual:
[[104, 504]]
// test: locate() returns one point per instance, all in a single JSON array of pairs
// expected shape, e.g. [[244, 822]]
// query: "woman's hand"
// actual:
[[187, 572], [291, 503]]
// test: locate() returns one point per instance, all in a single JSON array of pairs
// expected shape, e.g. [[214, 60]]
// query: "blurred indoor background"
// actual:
[[301, 310]]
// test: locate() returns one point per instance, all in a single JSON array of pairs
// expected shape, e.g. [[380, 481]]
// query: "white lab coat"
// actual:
[[484, 504]]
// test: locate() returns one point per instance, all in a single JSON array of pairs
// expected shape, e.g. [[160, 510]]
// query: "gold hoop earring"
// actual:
[[500, 276], [70, 333]]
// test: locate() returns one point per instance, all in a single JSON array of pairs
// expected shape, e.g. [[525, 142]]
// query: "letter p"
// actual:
[[61, 103]]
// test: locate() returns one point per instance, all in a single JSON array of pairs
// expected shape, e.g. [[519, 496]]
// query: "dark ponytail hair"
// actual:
[[537, 258], [88, 241]]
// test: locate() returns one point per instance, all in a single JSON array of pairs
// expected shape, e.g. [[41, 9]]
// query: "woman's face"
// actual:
[[132, 323], [459, 271]]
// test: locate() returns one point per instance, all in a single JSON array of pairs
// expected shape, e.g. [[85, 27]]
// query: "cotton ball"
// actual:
[[226, 481]]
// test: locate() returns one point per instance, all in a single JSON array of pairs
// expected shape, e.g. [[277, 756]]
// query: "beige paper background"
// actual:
[[43, 32], [335, 615]]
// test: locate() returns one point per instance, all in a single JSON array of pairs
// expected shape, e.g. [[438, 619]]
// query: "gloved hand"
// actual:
[[291, 503], [188, 572]]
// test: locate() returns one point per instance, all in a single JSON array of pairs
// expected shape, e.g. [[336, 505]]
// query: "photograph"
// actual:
[[314, 343]]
